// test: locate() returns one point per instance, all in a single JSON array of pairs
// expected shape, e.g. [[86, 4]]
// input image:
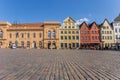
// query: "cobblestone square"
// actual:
[[43, 64]]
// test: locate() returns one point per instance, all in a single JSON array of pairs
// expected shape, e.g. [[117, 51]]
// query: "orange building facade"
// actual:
[[29, 35]]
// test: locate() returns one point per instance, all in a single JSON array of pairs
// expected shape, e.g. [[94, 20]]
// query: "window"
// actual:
[[69, 37], [115, 24], [116, 36], [69, 32], [92, 32], [88, 37], [34, 35], [88, 32], [73, 32], [65, 37], [10, 35], [81, 38], [65, 45], [73, 27], [103, 37], [65, 26], [0, 44], [69, 27], [17, 35], [93, 37], [94, 27], [110, 32], [28, 35], [28, 43], [40, 35], [107, 32], [116, 30], [61, 45], [22, 44], [77, 44], [84, 32], [73, 44], [40, 43], [77, 32], [110, 37], [77, 37], [96, 37], [119, 24], [84, 27], [53, 34], [85, 37], [102, 32], [61, 32], [22, 35], [49, 34], [1, 34], [61, 37], [73, 37], [65, 32]]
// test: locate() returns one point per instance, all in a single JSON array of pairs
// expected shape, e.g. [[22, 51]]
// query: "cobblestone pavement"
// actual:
[[37, 64]]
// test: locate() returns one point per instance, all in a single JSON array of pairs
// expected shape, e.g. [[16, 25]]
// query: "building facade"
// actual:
[[107, 34], [116, 26], [84, 35], [94, 35], [69, 34], [51, 35], [30, 35]]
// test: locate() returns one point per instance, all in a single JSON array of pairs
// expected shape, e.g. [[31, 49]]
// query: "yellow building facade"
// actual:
[[29, 35], [107, 34], [69, 34]]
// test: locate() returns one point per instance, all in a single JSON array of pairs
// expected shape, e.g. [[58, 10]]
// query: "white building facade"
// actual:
[[116, 26]]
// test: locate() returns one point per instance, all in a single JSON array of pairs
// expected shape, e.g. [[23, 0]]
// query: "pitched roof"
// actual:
[[117, 18], [82, 24], [90, 25], [110, 24], [69, 18]]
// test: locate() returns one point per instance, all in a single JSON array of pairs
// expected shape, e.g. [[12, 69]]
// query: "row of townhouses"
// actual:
[[53, 35]]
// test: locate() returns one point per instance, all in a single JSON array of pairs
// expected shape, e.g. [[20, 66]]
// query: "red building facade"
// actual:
[[94, 35], [84, 35], [89, 35]]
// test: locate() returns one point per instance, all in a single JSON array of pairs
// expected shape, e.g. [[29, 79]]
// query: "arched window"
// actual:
[[49, 34], [22, 44], [17, 35], [40, 43], [53, 34], [28, 35], [28, 43], [1, 34]]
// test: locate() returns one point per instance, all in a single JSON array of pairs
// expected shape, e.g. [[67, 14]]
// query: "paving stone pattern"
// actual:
[[37, 64]]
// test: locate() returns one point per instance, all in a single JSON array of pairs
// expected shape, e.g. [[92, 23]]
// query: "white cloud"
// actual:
[[80, 21]]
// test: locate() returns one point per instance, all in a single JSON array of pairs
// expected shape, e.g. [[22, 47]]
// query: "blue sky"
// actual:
[[24, 11]]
